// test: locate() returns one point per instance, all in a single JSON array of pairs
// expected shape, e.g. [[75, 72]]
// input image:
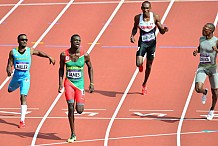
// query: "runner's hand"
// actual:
[[132, 39], [215, 48], [52, 60], [195, 52], [166, 29], [91, 87], [60, 88], [9, 72]]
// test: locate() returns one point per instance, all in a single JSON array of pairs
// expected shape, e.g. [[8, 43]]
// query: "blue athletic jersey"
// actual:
[[22, 62]]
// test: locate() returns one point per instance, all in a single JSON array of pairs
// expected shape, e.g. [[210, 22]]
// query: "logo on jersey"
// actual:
[[67, 58]]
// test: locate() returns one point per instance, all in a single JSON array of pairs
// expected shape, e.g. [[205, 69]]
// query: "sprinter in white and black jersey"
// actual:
[[147, 23], [207, 66]]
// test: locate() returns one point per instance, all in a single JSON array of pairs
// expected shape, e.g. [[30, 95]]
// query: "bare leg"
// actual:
[[147, 71], [23, 110], [214, 98], [199, 88], [71, 117], [139, 61], [80, 108], [23, 99]]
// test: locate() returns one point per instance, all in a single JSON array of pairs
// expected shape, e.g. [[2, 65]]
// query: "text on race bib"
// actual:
[[22, 66], [74, 74], [148, 37], [205, 58]]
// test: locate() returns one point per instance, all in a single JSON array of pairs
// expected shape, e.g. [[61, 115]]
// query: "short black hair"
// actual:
[[211, 25], [74, 36], [18, 37], [146, 2]]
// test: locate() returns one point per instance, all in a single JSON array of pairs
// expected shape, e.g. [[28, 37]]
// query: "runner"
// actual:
[[207, 66], [146, 22], [20, 58], [74, 60]]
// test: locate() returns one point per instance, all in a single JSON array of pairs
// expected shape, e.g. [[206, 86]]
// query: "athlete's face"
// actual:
[[146, 7], [22, 41], [75, 42], [206, 31]]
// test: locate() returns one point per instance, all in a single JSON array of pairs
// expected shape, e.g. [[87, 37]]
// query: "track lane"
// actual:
[[165, 85], [11, 123], [46, 1], [31, 27], [8, 2], [108, 94], [115, 131], [73, 15], [199, 111]]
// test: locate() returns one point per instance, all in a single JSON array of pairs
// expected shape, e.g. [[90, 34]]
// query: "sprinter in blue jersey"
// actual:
[[20, 60]]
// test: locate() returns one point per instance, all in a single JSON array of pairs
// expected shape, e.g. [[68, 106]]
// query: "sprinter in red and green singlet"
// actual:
[[74, 60]]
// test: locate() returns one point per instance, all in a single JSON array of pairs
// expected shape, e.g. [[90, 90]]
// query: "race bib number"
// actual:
[[205, 58], [148, 37], [22, 66], [74, 74]]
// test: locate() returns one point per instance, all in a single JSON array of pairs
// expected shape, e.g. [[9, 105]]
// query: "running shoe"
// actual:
[[144, 90], [72, 138], [204, 97], [141, 68], [22, 125], [210, 115]]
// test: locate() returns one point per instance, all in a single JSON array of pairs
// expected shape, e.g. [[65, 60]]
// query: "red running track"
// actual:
[[113, 58]]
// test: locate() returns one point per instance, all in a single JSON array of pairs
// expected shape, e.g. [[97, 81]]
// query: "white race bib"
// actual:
[[205, 59], [74, 74], [22, 66], [148, 37]]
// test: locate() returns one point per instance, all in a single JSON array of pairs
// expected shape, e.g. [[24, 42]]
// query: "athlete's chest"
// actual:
[[74, 57], [21, 56], [75, 60], [207, 45], [146, 24]]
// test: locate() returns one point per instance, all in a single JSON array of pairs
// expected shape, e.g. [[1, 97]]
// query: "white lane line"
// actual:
[[132, 137], [90, 109], [215, 115], [106, 25], [79, 3], [5, 81], [44, 118], [135, 110], [129, 85], [187, 103], [13, 113], [11, 11], [89, 50], [1, 21], [42, 36], [8, 108], [184, 112], [103, 118], [105, 2], [216, 20], [59, 95], [202, 111]]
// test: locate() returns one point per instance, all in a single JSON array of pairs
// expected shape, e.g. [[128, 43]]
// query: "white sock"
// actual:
[[23, 110]]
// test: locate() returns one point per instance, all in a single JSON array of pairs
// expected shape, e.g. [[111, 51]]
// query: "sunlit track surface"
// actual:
[[98, 2], [141, 120]]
